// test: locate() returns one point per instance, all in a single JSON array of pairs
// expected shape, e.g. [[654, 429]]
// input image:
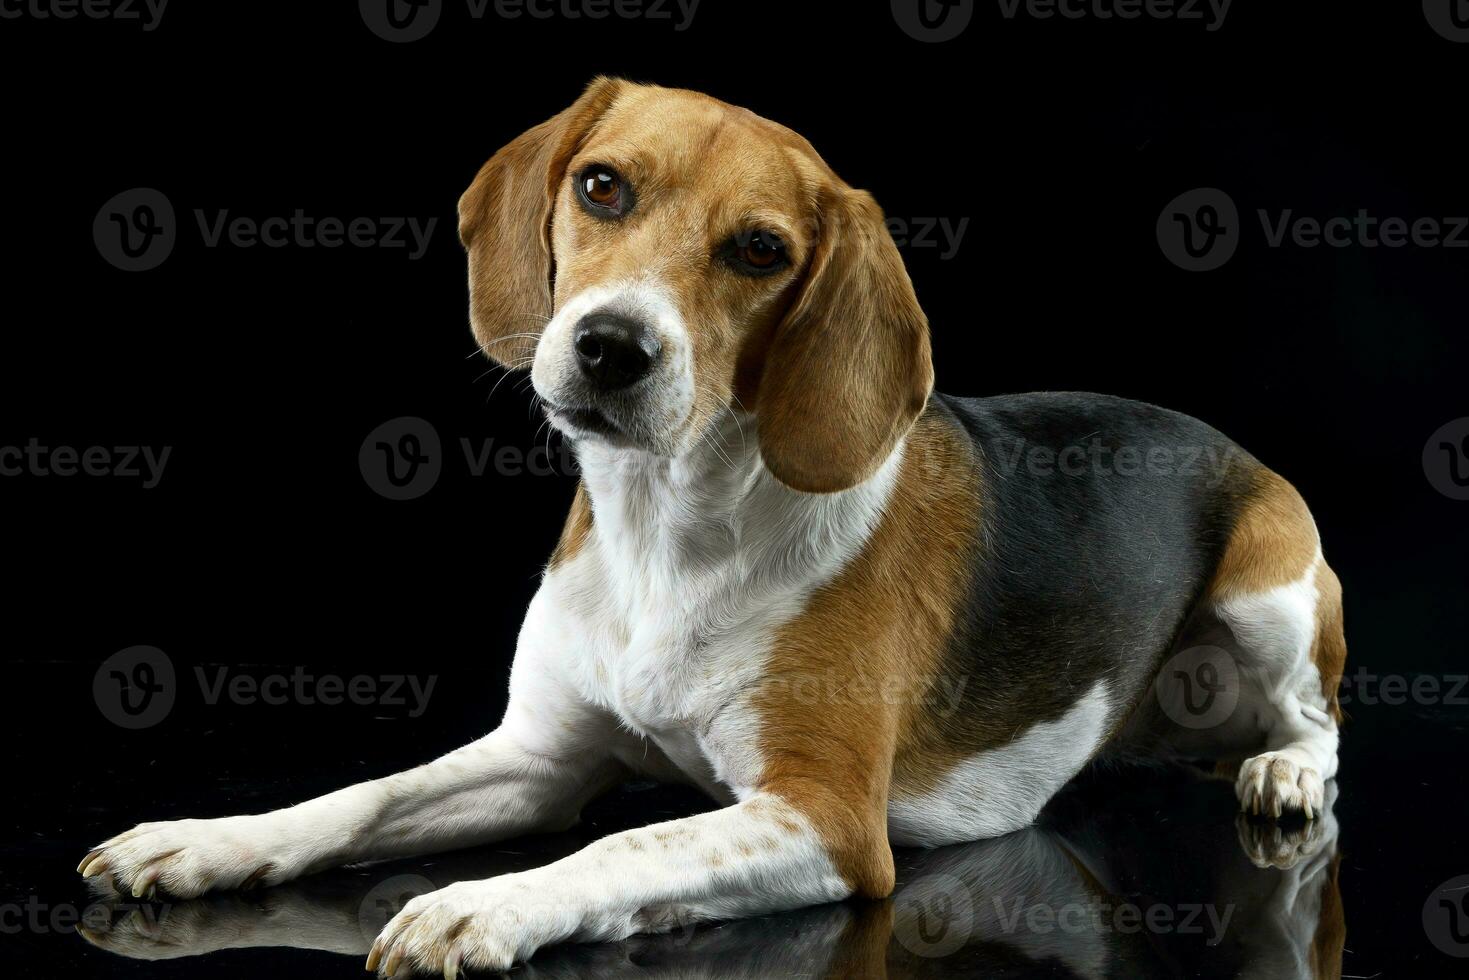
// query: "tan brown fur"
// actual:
[[849, 368], [1273, 542], [862, 950], [576, 530], [1329, 648], [1330, 940], [504, 224], [888, 615]]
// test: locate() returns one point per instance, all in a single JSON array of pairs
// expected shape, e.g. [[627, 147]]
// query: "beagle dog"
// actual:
[[856, 612]]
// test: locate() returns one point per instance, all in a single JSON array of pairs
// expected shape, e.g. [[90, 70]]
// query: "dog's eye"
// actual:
[[601, 190], [759, 251]]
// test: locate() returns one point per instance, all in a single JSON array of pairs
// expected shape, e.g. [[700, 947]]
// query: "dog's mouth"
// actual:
[[584, 420]]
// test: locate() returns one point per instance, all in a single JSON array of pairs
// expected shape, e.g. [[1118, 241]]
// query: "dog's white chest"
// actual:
[[661, 662], [666, 615]]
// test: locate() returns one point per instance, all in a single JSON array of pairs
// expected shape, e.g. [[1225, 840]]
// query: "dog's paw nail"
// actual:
[[92, 855]]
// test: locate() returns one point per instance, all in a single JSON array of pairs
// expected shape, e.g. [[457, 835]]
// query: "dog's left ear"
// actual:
[[504, 223], [849, 369]]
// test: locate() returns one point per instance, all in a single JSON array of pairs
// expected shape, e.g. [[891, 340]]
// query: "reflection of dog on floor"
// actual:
[[857, 611], [1066, 891]]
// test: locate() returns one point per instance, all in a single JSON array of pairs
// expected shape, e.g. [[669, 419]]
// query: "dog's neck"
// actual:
[[716, 510]]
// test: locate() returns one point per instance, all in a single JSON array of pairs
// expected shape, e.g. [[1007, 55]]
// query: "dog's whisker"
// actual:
[[508, 373], [738, 424]]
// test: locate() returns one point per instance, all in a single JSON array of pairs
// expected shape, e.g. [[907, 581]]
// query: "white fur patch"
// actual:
[[1281, 697], [665, 617], [1003, 789]]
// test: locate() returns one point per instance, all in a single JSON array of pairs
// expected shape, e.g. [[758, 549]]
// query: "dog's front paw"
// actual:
[[482, 925], [1272, 784], [186, 858]]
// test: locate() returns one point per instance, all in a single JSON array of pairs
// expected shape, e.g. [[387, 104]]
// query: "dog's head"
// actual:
[[658, 257]]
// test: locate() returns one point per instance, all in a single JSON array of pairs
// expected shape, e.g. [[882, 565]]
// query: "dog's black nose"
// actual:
[[614, 352]]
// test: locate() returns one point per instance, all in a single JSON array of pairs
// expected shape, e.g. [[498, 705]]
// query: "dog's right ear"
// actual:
[[504, 223]]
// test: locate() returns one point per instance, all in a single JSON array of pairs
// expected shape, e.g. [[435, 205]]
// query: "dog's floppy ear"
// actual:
[[849, 368], [504, 223]]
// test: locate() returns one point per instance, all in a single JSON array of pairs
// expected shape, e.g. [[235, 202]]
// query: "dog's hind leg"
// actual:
[[1282, 605]]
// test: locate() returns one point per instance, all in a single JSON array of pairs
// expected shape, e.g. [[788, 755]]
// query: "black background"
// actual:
[[264, 548]]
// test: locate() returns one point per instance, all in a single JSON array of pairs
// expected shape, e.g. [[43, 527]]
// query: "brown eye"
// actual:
[[601, 188], [760, 251]]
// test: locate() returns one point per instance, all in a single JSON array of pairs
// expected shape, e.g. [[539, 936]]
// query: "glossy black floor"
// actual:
[[1131, 873]]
